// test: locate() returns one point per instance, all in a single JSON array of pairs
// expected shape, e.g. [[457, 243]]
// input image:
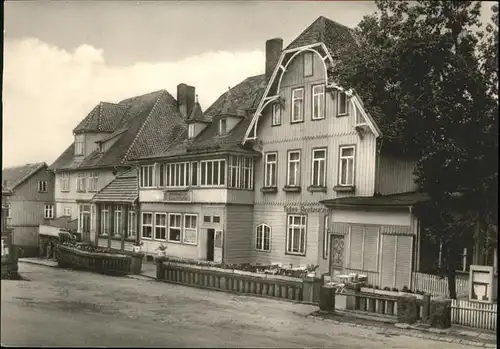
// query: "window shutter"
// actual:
[[356, 248], [370, 252]]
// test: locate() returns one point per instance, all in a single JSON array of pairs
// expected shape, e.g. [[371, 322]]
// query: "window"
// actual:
[[93, 177], [318, 102], [147, 225], [342, 106], [240, 172], [319, 168], [146, 176], [346, 166], [234, 171], [247, 179], [297, 104], [132, 224], [160, 226], [80, 183], [325, 238], [222, 126], [194, 173], [190, 229], [216, 219], [118, 226], [364, 246], [42, 186], [207, 219], [270, 174], [293, 175], [296, 237], [79, 144], [8, 212], [67, 211], [276, 114], [105, 220], [190, 131], [308, 64], [177, 174], [161, 175], [213, 172], [84, 221], [174, 230], [64, 181], [263, 238], [48, 211]]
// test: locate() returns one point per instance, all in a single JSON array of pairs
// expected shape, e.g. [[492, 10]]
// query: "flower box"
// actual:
[[390, 293]]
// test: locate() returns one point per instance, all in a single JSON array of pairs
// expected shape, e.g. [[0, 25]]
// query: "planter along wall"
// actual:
[[230, 280]]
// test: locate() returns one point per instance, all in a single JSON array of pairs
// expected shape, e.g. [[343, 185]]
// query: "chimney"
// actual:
[[185, 99], [273, 53]]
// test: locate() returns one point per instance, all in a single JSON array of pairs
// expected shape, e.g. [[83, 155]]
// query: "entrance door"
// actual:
[[336, 254], [210, 244], [85, 222]]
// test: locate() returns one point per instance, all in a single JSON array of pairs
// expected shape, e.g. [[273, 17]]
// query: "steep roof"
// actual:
[[14, 176], [103, 118], [124, 188], [244, 97], [136, 131], [197, 113], [334, 35]]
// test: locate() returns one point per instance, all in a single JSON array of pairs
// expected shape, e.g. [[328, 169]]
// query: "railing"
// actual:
[[281, 287], [105, 263], [438, 286], [373, 303], [474, 314]]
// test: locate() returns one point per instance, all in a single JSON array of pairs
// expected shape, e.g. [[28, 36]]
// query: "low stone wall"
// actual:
[[231, 280]]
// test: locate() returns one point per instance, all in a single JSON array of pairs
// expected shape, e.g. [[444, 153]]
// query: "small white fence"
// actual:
[[474, 314], [438, 286]]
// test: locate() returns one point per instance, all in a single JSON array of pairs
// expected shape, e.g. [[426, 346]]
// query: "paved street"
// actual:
[[68, 308]]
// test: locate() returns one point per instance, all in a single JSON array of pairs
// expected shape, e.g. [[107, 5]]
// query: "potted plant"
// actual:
[[137, 247], [162, 250]]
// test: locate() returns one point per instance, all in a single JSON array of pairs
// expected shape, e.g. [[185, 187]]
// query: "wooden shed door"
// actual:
[[337, 252]]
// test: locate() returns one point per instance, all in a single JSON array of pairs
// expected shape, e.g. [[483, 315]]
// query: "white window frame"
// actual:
[[48, 211], [67, 211], [79, 145], [105, 220], [93, 180], [146, 176], [190, 131], [272, 166], [8, 212], [345, 160], [263, 232], [161, 175], [42, 186], [118, 221], [234, 165], [164, 227], [246, 173], [310, 55], [222, 130], [193, 165], [341, 93], [174, 177], [65, 182], [291, 226], [288, 168], [170, 227], [315, 177], [81, 181], [297, 118], [204, 181], [276, 111], [318, 102], [132, 224], [326, 236], [143, 225], [190, 228]]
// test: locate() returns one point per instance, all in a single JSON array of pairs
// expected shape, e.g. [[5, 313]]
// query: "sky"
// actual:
[[63, 58]]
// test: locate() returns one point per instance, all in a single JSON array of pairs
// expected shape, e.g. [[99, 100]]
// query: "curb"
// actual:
[[37, 263], [141, 277], [409, 332]]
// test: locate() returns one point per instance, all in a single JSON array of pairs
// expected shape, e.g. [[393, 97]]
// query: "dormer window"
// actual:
[[342, 104], [190, 131], [79, 144], [222, 126]]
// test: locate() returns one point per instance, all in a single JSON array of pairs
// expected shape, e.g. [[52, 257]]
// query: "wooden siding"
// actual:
[[276, 217], [395, 175], [105, 176], [25, 236], [27, 213], [239, 237], [401, 218]]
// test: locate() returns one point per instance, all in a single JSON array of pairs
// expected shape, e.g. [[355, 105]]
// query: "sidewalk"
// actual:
[[455, 334], [39, 261]]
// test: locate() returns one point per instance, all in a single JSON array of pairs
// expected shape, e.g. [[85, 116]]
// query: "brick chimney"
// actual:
[[273, 53], [185, 99]]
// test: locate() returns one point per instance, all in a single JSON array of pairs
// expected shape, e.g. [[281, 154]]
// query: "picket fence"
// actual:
[[474, 314], [437, 286]]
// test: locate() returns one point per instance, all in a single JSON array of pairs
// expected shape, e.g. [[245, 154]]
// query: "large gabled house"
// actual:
[[103, 142], [29, 202]]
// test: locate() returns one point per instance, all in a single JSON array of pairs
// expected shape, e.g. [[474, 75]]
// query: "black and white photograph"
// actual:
[[250, 174]]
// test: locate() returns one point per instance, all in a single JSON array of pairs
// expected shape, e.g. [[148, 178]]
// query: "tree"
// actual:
[[435, 81]]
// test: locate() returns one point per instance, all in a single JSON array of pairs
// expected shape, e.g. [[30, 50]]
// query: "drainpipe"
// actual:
[[377, 170]]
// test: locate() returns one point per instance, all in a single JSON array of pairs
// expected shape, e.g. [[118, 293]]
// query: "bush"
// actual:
[[387, 288], [395, 289], [377, 287], [405, 289], [369, 286]]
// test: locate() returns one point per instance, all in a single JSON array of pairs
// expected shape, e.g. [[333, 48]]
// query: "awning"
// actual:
[[400, 200]]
